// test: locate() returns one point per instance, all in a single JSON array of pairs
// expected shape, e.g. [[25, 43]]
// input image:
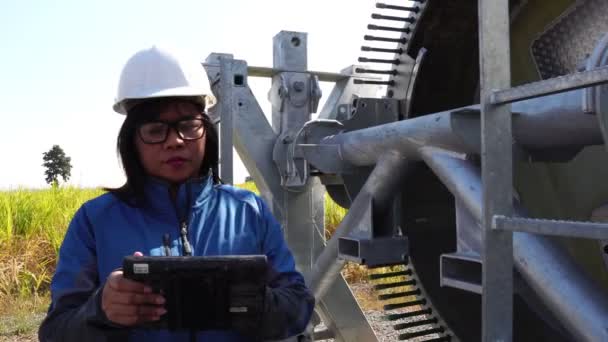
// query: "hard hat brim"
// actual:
[[124, 105]]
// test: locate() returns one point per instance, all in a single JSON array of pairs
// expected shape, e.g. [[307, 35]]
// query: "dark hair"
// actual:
[[132, 191]]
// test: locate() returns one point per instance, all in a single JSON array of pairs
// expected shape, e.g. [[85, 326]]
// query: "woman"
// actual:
[[172, 203]]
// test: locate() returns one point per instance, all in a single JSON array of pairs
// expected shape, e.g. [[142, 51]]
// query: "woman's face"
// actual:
[[178, 157]]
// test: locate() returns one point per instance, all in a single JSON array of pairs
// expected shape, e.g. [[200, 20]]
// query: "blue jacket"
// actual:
[[221, 220]]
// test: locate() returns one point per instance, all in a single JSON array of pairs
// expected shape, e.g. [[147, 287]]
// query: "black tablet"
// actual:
[[205, 292]]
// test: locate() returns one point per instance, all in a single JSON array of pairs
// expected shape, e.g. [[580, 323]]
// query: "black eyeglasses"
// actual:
[[156, 132]]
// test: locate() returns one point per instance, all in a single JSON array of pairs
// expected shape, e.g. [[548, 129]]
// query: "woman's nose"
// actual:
[[173, 138]]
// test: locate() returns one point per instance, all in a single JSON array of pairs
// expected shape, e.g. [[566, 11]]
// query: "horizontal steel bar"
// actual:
[[553, 122], [551, 86], [586, 230], [324, 76]]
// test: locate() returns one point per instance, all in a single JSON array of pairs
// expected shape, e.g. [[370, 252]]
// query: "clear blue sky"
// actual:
[[60, 62]]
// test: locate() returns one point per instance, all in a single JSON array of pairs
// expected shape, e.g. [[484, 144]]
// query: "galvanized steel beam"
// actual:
[[380, 187], [585, 230], [551, 86], [226, 127], [496, 170], [577, 301], [294, 96], [253, 137]]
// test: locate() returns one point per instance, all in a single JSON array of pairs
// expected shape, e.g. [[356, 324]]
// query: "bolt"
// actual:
[[298, 86]]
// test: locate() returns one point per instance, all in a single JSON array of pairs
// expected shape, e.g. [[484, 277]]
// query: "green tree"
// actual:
[[57, 165]]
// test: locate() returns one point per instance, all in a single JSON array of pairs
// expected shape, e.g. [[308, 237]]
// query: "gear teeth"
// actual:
[[389, 83], [376, 276], [388, 28], [378, 60], [446, 338], [394, 317], [393, 285], [395, 306], [393, 18], [373, 71], [420, 333], [422, 321], [388, 296], [398, 8], [403, 326], [375, 49], [384, 39]]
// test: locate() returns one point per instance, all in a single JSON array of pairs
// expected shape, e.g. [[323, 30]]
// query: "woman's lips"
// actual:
[[176, 162]]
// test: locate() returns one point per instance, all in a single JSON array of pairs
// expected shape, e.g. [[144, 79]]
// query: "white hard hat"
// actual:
[[157, 72]]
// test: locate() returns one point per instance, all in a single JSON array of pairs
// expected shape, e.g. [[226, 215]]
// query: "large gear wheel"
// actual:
[[434, 66]]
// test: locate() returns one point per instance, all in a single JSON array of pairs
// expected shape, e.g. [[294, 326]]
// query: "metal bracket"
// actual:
[[371, 245], [324, 157], [295, 90], [461, 271]]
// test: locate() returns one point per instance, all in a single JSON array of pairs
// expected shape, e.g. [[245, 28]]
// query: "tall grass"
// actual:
[[32, 226]]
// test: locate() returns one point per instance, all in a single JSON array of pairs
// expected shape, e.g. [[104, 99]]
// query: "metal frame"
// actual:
[[279, 158], [266, 152]]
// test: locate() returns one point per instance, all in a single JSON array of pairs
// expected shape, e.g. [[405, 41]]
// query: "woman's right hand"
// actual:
[[127, 302]]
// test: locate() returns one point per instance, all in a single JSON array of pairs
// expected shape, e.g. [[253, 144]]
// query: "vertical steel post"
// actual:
[[302, 208], [226, 126], [497, 170]]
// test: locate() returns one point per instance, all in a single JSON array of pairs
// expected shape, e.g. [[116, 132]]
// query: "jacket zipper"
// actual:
[[187, 249], [167, 244], [183, 224]]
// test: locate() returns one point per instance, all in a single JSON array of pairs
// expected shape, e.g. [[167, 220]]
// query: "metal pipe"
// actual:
[[380, 186], [579, 303], [550, 122], [364, 146], [554, 121]]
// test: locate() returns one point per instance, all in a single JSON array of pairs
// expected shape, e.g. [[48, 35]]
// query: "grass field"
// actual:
[[32, 225]]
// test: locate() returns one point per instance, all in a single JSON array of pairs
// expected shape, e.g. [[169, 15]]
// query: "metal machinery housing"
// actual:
[[480, 170]]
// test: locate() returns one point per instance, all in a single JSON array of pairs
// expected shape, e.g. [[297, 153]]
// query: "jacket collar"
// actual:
[[191, 193]]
